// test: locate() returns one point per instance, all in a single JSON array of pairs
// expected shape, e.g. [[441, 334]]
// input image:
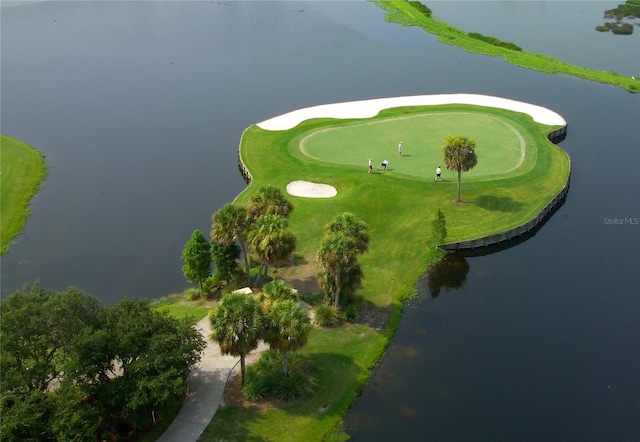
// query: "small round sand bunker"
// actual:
[[308, 189]]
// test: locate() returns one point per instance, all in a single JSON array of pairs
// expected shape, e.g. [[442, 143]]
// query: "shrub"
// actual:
[[494, 41], [327, 316], [622, 29], [292, 387], [193, 294], [421, 8], [351, 313], [266, 378]]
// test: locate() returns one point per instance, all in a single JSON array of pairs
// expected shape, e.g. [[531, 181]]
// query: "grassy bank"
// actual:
[[22, 171], [398, 209], [403, 12]]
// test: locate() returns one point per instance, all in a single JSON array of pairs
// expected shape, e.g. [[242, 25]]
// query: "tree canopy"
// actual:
[[459, 154], [73, 369], [236, 325], [197, 259]]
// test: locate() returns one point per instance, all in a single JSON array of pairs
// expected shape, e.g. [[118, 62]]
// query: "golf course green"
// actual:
[[503, 147]]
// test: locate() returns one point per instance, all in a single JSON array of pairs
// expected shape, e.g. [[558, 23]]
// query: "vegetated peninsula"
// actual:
[[405, 211], [414, 13], [23, 169]]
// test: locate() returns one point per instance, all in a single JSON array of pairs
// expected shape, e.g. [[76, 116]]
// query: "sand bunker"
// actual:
[[308, 189], [371, 108]]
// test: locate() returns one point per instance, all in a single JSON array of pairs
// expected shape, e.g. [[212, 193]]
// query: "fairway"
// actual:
[[501, 147]]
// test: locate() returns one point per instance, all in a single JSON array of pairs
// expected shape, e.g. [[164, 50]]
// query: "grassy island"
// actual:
[[519, 171], [414, 13], [23, 169]]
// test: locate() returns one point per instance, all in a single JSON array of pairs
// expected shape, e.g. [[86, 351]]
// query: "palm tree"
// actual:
[[231, 224], [236, 326], [276, 291], [287, 328], [459, 155], [271, 242], [269, 200], [351, 226], [337, 256]]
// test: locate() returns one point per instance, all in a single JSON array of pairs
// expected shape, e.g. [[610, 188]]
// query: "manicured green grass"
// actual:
[[422, 135], [398, 209], [22, 170], [400, 11], [337, 370]]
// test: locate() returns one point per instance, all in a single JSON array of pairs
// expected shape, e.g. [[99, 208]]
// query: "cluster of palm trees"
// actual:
[[240, 321], [260, 228]]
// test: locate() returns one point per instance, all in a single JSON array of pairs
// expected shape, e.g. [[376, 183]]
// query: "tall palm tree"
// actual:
[[269, 200], [271, 241], [338, 256], [353, 227], [231, 224], [236, 326], [459, 154], [287, 328]]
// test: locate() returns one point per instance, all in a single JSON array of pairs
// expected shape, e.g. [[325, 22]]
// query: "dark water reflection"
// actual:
[[139, 107]]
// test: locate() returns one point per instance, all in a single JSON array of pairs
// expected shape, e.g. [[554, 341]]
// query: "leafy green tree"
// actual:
[[338, 257], [459, 154], [153, 355], [225, 260], [439, 227], [230, 224], [271, 242], [275, 291], [39, 330], [197, 259], [236, 326], [353, 227], [287, 329], [73, 369], [269, 200]]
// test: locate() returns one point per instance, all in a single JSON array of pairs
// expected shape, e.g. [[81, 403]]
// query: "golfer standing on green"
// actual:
[[400, 148]]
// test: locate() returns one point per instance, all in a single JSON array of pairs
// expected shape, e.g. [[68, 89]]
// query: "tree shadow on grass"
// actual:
[[498, 204], [333, 375]]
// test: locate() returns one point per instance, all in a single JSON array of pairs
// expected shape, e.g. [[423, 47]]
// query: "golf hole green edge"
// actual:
[[290, 163]]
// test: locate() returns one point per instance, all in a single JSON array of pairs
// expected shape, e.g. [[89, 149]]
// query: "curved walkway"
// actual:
[[206, 386]]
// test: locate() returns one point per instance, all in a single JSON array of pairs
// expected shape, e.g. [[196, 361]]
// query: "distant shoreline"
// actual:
[[403, 12]]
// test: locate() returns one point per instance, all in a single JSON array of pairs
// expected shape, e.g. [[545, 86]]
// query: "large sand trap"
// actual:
[[311, 190], [370, 108]]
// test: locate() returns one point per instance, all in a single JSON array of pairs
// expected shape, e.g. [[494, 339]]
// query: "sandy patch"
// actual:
[[371, 108], [308, 189]]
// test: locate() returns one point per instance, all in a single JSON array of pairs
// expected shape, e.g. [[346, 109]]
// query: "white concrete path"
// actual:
[[206, 387]]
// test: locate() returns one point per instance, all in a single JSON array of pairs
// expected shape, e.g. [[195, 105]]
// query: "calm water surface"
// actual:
[[139, 107]]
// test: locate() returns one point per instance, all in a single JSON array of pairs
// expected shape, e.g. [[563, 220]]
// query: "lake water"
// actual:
[[139, 107]]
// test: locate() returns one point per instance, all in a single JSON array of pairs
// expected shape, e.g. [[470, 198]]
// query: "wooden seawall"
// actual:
[[555, 137]]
